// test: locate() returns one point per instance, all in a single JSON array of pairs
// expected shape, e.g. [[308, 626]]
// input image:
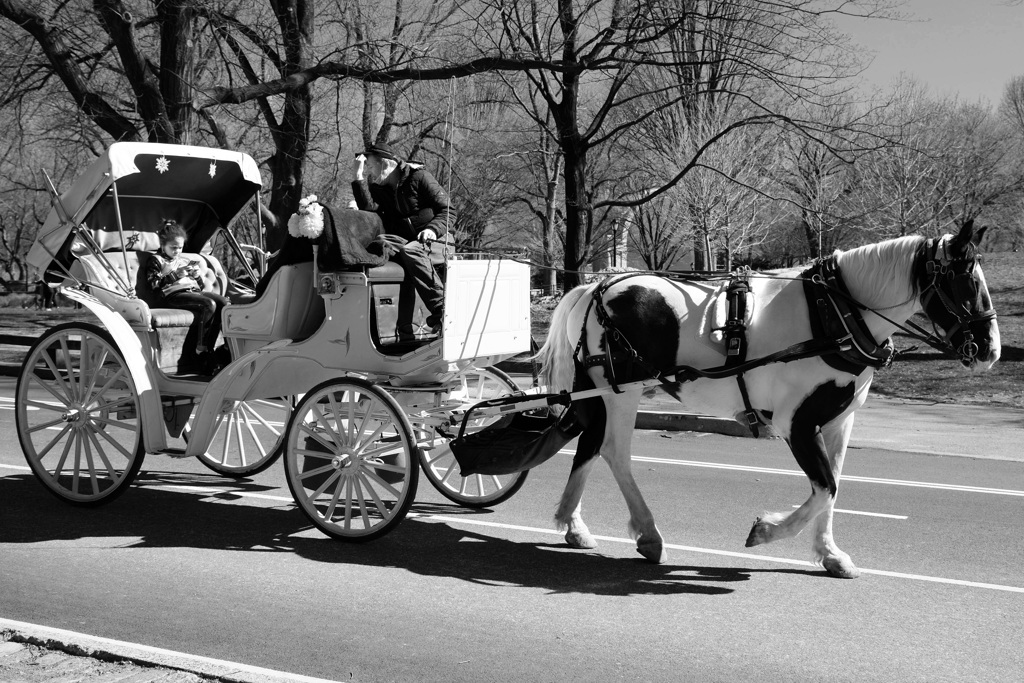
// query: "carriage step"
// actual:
[[173, 452]]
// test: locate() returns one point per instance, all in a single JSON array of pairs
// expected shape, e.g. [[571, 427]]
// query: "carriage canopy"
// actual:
[[200, 187]]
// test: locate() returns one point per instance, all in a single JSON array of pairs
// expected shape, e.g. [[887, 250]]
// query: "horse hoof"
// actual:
[[653, 551], [583, 541], [840, 567], [758, 533]]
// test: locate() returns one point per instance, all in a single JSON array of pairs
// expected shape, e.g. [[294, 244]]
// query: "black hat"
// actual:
[[381, 151]]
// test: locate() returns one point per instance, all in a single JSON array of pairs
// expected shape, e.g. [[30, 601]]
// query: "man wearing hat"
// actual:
[[413, 206]]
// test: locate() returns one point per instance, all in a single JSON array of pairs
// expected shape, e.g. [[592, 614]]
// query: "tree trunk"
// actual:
[[292, 135], [177, 67], [577, 215]]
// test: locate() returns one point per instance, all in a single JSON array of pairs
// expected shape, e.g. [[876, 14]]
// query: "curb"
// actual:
[[162, 662]]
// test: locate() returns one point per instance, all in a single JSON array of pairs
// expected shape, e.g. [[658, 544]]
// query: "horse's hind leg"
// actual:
[[568, 515]]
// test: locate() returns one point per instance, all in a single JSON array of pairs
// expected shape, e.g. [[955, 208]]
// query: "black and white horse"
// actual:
[[663, 324]]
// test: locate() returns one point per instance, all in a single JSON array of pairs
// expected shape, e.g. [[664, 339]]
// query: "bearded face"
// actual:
[[378, 170]]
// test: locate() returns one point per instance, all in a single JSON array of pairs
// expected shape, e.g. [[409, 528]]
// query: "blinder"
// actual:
[[952, 281]]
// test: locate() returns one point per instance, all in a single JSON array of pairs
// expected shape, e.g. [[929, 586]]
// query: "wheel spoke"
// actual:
[[94, 373], [113, 378], [110, 439], [111, 471], [64, 399], [63, 458], [252, 433], [377, 502], [90, 465], [77, 462], [357, 487], [261, 420]]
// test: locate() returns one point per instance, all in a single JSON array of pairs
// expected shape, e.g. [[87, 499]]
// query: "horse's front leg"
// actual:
[[616, 449], [835, 561], [818, 440]]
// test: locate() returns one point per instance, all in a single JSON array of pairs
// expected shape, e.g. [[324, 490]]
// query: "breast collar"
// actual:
[[834, 313]]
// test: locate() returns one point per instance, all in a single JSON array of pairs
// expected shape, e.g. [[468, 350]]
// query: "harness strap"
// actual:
[[736, 340]]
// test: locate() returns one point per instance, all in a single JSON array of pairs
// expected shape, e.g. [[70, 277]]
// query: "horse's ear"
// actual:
[[968, 235]]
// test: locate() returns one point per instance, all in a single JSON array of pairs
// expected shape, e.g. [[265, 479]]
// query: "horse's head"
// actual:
[[956, 299]]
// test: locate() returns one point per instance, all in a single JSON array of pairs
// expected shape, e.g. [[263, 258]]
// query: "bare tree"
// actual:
[[582, 56], [1012, 104]]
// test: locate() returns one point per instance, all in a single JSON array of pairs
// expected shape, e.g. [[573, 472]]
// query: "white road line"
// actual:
[[155, 655], [845, 477], [206, 491], [793, 473], [865, 514], [728, 553], [707, 551]]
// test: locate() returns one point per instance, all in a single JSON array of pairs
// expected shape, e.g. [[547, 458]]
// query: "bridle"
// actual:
[[939, 272]]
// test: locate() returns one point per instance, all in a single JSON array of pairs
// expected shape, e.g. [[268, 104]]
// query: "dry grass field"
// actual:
[[923, 373], [926, 374]]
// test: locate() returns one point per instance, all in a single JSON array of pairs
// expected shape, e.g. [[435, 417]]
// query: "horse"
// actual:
[[806, 387]]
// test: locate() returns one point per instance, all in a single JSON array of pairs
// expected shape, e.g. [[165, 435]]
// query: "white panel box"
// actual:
[[486, 309]]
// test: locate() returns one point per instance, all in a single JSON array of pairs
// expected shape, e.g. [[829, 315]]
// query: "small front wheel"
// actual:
[[350, 460], [77, 412]]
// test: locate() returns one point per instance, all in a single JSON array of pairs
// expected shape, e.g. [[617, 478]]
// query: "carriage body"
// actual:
[[121, 387]]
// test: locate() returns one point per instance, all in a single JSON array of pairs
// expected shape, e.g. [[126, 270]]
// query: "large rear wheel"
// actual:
[[350, 460], [77, 412], [439, 464]]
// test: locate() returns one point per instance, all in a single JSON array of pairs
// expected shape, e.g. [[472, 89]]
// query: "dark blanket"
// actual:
[[349, 240], [342, 245]]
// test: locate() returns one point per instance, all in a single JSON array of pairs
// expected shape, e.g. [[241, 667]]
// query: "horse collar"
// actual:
[[834, 313]]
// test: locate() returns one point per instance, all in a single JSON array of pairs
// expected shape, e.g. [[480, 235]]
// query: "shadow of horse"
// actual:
[[154, 518]]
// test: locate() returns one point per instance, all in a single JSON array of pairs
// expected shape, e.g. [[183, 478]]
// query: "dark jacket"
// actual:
[[410, 202]]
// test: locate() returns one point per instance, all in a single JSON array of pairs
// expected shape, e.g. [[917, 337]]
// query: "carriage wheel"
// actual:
[[350, 460], [77, 412], [439, 464], [249, 438]]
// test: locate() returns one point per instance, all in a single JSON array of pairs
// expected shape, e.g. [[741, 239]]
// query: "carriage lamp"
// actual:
[[326, 285]]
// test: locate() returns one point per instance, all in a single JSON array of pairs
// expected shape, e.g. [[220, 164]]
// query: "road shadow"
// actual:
[[152, 518]]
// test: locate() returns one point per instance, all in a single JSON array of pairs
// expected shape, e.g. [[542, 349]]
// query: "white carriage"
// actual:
[[311, 373]]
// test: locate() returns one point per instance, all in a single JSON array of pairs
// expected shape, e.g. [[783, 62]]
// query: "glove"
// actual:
[[427, 236]]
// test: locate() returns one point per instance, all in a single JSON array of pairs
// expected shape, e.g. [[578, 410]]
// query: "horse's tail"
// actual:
[[557, 367]]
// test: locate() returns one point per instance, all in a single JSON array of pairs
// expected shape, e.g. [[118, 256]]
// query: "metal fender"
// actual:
[[277, 369], [144, 378]]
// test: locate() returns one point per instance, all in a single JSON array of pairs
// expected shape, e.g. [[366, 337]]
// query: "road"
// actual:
[[192, 562]]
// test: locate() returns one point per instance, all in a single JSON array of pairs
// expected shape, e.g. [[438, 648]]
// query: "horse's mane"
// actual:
[[889, 261]]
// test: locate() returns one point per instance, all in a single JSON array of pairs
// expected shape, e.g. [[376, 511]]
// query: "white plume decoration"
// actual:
[[308, 221]]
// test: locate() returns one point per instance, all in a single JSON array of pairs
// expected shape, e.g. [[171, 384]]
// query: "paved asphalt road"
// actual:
[[193, 563]]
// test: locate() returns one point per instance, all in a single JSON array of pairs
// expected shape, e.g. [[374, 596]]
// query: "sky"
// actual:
[[969, 48]]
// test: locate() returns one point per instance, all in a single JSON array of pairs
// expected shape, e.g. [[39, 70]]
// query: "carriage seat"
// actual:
[[287, 309], [143, 311]]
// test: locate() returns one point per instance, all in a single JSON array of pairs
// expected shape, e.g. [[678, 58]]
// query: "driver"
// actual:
[[413, 206]]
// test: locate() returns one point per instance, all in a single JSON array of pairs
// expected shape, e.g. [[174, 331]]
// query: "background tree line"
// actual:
[[730, 128]]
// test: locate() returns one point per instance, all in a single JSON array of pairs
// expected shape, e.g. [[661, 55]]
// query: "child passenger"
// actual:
[[177, 280]]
